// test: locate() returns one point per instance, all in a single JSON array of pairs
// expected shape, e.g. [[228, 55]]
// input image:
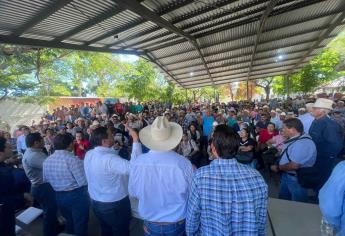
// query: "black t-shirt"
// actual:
[[248, 142]]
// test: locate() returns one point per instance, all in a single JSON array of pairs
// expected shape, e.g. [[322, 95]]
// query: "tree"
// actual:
[[266, 85]]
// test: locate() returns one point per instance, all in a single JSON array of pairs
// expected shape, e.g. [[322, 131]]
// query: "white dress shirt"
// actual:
[[106, 174], [306, 120], [160, 181]]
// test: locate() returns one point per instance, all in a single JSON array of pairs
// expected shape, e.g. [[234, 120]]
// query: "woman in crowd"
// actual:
[[247, 148], [267, 134], [81, 145], [194, 134], [189, 149], [48, 140]]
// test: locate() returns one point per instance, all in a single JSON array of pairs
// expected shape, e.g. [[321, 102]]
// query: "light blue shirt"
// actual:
[[277, 122], [21, 144], [306, 119], [332, 199], [302, 152]]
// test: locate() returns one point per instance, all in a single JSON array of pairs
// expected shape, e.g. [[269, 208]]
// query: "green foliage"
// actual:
[[319, 70]]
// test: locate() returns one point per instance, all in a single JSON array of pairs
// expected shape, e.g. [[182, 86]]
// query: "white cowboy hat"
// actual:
[[323, 103], [95, 124], [79, 119], [309, 105], [162, 135]]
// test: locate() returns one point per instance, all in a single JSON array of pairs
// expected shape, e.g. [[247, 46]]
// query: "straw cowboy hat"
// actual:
[[162, 135], [323, 103]]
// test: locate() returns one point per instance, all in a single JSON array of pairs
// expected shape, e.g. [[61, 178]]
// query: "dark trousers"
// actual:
[[45, 196], [325, 166], [7, 219], [114, 217], [74, 207]]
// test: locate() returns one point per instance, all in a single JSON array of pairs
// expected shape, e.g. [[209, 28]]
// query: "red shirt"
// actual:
[[118, 108], [81, 152], [265, 136]]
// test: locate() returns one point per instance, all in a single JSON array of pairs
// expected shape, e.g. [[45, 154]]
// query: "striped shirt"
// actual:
[[227, 198], [64, 171]]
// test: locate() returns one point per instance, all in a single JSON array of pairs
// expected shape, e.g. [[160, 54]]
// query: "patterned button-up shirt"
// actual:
[[227, 198], [64, 171]]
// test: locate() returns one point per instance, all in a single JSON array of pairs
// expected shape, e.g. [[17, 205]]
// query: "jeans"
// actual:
[[290, 189], [173, 229], [114, 217], [45, 196], [74, 207]]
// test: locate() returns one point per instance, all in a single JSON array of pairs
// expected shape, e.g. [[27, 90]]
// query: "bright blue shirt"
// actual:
[[332, 199], [207, 123], [227, 198]]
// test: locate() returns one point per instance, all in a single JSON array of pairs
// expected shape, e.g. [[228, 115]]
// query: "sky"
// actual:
[[128, 58]]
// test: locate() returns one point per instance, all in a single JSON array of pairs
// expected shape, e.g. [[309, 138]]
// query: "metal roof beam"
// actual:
[[42, 15], [239, 62], [333, 24], [225, 13], [262, 23], [183, 80], [249, 44], [147, 14], [224, 81], [50, 44], [153, 60], [280, 11], [163, 11], [270, 66], [228, 27], [205, 20], [247, 54], [94, 21], [183, 18]]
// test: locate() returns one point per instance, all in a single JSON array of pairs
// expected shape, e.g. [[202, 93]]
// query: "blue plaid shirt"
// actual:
[[227, 198], [64, 171]]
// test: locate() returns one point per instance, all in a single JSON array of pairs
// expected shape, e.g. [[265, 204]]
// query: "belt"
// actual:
[[166, 223], [292, 174]]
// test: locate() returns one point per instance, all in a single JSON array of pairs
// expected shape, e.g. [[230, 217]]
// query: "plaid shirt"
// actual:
[[227, 198], [64, 171]]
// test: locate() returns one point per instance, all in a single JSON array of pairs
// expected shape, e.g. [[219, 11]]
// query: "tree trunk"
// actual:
[[231, 93], [267, 91]]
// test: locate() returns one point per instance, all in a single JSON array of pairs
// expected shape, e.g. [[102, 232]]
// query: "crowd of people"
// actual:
[[158, 169]]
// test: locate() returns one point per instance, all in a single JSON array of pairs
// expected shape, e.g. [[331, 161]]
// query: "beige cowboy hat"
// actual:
[[162, 135], [323, 103]]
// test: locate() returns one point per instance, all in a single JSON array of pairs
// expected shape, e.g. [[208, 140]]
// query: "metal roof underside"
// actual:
[[194, 42]]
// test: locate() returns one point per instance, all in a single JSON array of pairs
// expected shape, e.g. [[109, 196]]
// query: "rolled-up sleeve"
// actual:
[[136, 151]]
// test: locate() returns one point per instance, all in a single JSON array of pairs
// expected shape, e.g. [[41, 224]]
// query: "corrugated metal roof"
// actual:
[[225, 32]]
